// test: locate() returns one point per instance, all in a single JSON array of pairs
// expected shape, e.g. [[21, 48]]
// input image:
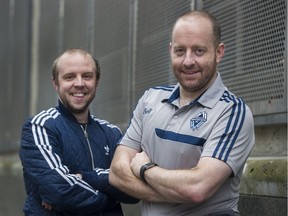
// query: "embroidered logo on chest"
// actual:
[[106, 149], [199, 120], [147, 111]]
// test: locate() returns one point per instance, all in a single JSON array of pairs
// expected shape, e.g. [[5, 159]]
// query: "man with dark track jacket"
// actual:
[[66, 152]]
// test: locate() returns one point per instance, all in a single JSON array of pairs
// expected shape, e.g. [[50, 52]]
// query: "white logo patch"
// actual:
[[107, 149]]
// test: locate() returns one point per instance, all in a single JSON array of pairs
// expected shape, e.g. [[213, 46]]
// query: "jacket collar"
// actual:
[[67, 114]]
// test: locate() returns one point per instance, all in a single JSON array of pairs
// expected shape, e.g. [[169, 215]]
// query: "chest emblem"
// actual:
[[107, 149], [199, 120], [147, 111]]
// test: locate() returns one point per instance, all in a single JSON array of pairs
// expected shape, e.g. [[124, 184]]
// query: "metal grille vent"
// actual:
[[110, 39], [153, 37], [254, 63]]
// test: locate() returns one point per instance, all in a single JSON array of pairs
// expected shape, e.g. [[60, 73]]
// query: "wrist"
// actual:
[[79, 175], [144, 168]]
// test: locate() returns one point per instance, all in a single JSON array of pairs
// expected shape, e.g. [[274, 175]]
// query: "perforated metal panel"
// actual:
[[110, 43], [154, 22], [130, 39], [254, 63], [75, 22], [14, 67]]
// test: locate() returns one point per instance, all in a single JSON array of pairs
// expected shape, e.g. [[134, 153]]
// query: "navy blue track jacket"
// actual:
[[53, 148]]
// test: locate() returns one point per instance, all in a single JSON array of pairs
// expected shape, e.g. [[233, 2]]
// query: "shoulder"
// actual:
[[105, 125], [167, 88], [45, 116], [233, 101], [45, 119], [236, 107], [158, 92], [161, 89]]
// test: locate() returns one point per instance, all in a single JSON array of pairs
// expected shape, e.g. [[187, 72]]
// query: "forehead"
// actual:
[[192, 27], [71, 60], [75, 56]]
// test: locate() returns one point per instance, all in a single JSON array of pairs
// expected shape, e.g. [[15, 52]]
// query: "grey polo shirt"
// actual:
[[217, 124]]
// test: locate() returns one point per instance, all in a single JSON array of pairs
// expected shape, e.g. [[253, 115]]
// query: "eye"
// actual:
[[68, 77], [199, 51], [179, 51], [88, 76]]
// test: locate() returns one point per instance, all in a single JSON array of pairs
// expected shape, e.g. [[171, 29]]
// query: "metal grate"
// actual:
[[131, 38], [152, 46], [110, 39], [254, 63]]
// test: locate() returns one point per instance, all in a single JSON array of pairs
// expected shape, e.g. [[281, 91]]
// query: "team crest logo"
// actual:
[[199, 120]]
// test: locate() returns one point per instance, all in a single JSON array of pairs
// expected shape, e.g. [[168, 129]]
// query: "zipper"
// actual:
[[88, 142]]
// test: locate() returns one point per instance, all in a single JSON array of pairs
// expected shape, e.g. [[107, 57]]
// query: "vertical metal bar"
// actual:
[[34, 78], [91, 26], [61, 26], [196, 4], [132, 52], [27, 69], [286, 57], [11, 54]]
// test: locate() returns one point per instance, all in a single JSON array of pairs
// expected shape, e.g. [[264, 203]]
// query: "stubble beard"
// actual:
[[194, 85], [79, 109]]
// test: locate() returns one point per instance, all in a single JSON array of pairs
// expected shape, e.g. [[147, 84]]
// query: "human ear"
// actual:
[[220, 52], [55, 84]]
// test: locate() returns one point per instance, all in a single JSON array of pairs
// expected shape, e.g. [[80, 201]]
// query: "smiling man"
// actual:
[[66, 152], [185, 148], [75, 78]]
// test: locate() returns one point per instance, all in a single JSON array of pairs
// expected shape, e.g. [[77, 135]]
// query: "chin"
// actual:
[[77, 109]]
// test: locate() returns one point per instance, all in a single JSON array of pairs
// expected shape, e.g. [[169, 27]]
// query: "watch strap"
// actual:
[[144, 168]]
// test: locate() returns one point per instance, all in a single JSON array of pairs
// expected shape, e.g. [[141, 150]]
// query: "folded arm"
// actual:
[[122, 177], [99, 179], [184, 186]]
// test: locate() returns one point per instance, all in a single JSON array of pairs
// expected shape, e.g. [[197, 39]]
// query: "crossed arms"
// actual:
[[193, 185]]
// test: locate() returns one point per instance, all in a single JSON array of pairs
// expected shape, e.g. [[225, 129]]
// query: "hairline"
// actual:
[[55, 66], [216, 28]]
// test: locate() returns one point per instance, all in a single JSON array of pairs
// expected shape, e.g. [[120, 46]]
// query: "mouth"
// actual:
[[78, 94], [189, 72]]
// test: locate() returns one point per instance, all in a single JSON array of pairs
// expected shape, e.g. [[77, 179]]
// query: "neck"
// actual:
[[82, 118], [184, 101], [186, 97]]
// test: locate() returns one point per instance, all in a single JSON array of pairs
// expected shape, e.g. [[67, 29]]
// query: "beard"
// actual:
[[77, 108], [202, 80]]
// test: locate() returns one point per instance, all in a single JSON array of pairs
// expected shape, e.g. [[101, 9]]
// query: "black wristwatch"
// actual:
[[144, 168]]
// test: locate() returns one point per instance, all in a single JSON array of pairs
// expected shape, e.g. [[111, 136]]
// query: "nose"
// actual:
[[189, 59], [79, 81]]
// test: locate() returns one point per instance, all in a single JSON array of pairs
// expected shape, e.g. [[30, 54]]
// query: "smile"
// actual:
[[79, 94], [189, 72]]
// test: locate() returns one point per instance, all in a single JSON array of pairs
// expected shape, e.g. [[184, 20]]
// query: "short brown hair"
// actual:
[[70, 51]]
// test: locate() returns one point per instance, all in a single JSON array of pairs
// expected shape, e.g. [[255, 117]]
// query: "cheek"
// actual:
[[207, 62], [91, 84], [176, 63], [64, 87]]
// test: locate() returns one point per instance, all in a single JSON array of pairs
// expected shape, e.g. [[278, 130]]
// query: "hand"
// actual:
[[137, 162], [79, 175], [47, 206]]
